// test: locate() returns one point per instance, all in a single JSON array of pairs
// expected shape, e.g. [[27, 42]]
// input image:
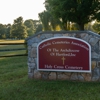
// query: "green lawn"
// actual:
[[15, 85], [2, 47], [12, 52]]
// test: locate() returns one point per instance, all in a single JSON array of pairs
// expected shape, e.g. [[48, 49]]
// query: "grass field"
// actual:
[[15, 85], [11, 46]]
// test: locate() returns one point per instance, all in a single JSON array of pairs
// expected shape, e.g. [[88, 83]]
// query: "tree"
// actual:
[[88, 26], [8, 28], [77, 11], [33, 26], [39, 28], [96, 27], [74, 26], [30, 27], [2, 31], [18, 29], [37, 25], [44, 17], [48, 21]]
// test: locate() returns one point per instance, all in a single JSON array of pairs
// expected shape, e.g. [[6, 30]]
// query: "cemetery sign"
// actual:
[[67, 54]]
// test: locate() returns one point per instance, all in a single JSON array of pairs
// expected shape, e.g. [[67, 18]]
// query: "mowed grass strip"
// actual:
[[12, 41], [13, 52], [4, 47]]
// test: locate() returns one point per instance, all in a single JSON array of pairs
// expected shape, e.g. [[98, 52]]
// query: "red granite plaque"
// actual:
[[64, 54]]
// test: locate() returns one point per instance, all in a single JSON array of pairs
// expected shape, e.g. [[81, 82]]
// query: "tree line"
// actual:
[[59, 15], [20, 29], [71, 15]]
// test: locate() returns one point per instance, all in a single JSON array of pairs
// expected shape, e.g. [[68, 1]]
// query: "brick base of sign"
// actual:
[[92, 38]]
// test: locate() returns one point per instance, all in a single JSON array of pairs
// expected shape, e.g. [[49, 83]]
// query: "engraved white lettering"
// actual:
[[44, 45], [66, 54]]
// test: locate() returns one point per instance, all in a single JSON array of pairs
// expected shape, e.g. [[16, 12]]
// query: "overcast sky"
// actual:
[[12, 9]]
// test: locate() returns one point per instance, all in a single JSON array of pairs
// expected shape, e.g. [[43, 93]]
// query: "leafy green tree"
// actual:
[[54, 22], [74, 26], [96, 27], [37, 25], [30, 27], [39, 28], [77, 11], [88, 26], [8, 28], [18, 29], [44, 17], [33, 26], [48, 21], [2, 31]]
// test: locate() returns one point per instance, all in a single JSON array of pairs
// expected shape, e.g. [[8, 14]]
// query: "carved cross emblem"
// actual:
[[63, 59]]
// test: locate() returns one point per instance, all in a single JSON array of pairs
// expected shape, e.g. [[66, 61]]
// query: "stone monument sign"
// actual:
[[64, 55]]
